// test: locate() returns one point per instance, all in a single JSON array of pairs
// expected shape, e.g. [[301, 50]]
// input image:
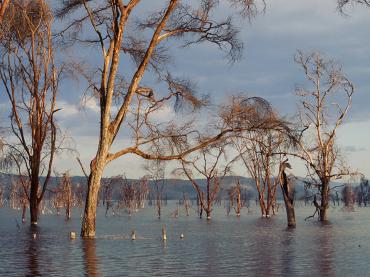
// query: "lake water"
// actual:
[[224, 246]]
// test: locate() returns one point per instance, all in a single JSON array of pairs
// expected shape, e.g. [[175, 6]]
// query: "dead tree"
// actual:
[[133, 194], [18, 195], [235, 197], [208, 165], [67, 194], [257, 152], [30, 79], [348, 197], [107, 192], [288, 192], [323, 109], [186, 203], [112, 23], [156, 173], [363, 192]]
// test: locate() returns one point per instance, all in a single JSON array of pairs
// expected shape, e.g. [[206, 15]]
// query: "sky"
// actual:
[[267, 69]]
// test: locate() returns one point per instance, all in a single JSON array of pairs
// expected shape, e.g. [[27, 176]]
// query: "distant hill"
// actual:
[[173, 188]]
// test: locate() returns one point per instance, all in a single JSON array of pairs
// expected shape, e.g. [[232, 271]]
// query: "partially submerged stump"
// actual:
[[164, 234], [72, 235], [287, 192], [133, 235]]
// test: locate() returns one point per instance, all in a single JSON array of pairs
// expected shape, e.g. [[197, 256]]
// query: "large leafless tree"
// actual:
[[324, 106], [116, 25], [257, 148], [30, 79]]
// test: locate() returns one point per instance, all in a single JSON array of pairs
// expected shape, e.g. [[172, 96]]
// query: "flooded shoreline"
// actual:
[[225, 245]]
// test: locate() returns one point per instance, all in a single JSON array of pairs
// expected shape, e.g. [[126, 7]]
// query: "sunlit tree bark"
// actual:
[[3, 5], [323, 109], [30, 80], [110, 21]]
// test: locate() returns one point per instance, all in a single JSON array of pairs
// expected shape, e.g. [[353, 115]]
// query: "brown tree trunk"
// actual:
[[324, 201], [34, 201], [287, 194], [290, 213], [159, 206], [208, 210], [89, 217], [68, 211], [97, 166], [208, 213], [262, 204], [238, 202]]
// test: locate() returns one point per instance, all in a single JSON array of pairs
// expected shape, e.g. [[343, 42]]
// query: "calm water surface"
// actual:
[[225, 246]]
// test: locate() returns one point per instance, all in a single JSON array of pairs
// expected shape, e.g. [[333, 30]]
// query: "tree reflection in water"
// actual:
[[325, 249], [32, 250], [90, 258], [288, 252]]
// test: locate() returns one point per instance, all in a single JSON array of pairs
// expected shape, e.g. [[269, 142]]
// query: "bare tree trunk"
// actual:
[[324, 201], [208, 210], [159, 206], [287, 192], [238, 202], [208, 213], [290, 213], [89, 217], [34, 202], [262, 204]]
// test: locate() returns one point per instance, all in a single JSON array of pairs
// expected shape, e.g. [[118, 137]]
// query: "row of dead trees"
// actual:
[[30, 75]]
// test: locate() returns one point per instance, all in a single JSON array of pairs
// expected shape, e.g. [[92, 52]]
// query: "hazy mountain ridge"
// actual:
[[173, 188]]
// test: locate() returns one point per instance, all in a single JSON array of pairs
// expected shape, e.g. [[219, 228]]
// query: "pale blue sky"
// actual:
[[267, 70]]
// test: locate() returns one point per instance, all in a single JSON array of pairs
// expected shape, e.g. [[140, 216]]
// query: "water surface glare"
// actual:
[[225, 246]]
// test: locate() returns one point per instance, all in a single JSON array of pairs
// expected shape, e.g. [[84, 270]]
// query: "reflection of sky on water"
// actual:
[[226, 246]]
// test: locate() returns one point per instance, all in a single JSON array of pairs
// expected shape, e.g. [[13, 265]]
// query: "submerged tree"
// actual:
[[66, 185], [156, 171], [30, 79], [208, 163], [257, 149], [287, 190], [235, 200], [133, 194], [323, 109], [116, 25], [363, 192]]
